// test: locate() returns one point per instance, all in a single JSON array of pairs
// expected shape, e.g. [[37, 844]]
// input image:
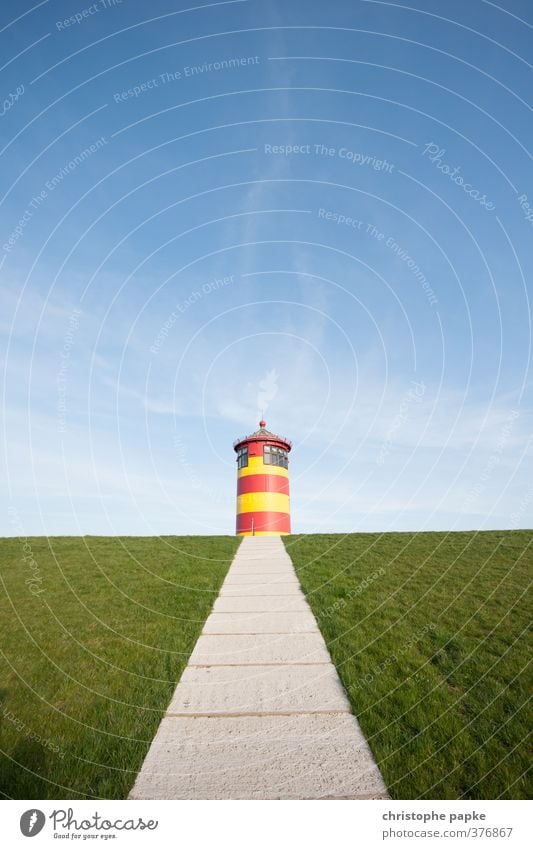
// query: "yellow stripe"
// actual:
[[256, 467], [265, 534], [256, 502]]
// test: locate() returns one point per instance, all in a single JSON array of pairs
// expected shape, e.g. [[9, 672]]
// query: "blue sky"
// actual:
[[322, 212]]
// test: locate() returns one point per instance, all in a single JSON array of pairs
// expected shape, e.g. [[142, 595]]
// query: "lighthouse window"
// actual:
[[242, 457], [273, 456]]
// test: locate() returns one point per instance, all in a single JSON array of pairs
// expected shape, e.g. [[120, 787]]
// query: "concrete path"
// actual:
[[260, 712]]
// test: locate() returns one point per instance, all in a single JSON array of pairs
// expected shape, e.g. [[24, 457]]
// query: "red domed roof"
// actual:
[[263, 435]]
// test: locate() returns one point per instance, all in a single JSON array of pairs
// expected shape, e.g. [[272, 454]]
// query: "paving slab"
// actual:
[[231, 690], [282, 589], [295, 622], [296, 757], [254, 568], [262, 579], [260, 712], [260, 604], [239, 650]]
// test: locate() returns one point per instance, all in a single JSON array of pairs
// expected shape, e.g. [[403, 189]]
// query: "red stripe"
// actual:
[[264, 521], [262, 483]]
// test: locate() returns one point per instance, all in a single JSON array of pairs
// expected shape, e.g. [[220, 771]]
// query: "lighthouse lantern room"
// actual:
[[263, 484]]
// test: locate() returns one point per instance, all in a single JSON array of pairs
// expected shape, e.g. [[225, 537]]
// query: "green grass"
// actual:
[[429, 633], [433, 652], [95, 632]]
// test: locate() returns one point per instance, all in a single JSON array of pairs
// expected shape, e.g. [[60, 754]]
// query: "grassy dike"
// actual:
[[429, 633], [94, 634]]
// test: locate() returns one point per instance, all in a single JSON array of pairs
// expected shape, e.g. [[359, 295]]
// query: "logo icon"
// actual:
[[32, 822]]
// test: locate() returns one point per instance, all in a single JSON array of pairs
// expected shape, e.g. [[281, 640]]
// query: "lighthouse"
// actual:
[[263, 484]]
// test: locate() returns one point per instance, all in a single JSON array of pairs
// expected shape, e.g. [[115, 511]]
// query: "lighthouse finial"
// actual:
[[262, 423]]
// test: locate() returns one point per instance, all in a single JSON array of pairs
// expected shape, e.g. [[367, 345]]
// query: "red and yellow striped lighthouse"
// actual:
[[263, 484]]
